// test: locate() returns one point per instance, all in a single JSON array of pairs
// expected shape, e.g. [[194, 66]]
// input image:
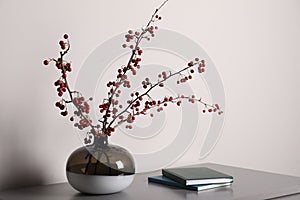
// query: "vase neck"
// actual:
[[101, 142]]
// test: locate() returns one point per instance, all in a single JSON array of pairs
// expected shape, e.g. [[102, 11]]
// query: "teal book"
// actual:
[[196, 176], [166, 181]]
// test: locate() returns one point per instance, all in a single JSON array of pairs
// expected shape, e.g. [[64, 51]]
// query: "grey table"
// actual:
[[248, 185]]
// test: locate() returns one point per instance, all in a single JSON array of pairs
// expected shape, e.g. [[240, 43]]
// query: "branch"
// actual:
[[138, 40], [153, 86]]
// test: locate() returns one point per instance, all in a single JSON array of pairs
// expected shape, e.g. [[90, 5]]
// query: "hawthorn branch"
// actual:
[[151, 88], [70, 92], [133, 54]]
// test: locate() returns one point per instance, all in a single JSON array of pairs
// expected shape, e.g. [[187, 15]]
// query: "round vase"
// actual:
[[102, 170]]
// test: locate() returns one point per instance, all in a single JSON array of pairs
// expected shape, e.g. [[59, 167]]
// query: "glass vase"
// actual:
[[100, 169]]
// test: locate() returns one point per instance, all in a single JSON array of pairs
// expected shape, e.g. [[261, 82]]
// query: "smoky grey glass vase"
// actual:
[[104, 169]]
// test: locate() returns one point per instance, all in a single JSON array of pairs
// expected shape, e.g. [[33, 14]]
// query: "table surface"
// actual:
[[248, 185]]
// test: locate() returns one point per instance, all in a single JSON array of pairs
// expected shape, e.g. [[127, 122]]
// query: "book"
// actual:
[[196, 176], [166, 181]]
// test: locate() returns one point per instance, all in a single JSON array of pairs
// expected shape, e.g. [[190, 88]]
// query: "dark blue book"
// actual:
[[166, 181], [196, 176]]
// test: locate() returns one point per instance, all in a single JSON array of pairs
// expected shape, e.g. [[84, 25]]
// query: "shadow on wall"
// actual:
[[17, 164]]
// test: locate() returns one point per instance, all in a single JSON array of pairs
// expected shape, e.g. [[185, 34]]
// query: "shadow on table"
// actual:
[[120, 195]]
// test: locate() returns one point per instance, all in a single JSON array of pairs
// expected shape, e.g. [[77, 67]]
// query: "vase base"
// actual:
[[98, 184]]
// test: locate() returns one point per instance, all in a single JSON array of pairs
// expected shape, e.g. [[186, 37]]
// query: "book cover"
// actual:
[[196, 176], [166, 181]]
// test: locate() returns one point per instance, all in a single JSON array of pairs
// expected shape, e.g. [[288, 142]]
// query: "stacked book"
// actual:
[[193, 178]]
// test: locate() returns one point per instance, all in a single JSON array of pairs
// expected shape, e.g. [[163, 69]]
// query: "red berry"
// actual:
[[72, 119], [69, 69], [64, 113], [46, 62], [62, 44], [57, 104], [56, 83], [62, 107], [59, 66], [190, 64], [66, 36]]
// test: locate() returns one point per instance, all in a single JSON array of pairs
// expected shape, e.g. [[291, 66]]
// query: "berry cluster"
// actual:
[[130, 37], [82, 105], [62, 87], [63, 67], [188, 76], [214, 108], [109, 130], [133, 37], [133, 66], [62, 43], [83, 123], [104, 107], [201, 67], [63, 107]]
